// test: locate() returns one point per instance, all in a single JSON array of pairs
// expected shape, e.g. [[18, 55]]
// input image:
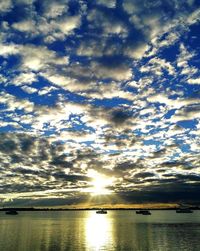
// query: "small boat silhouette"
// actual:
[[143, 212], [184, 210], [101, 211], [11, 212]]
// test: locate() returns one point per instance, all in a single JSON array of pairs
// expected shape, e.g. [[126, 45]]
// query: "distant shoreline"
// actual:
[[88, 209]]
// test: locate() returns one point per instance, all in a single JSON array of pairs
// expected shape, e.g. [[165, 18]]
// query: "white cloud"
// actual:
[[54, 9], [3, 79], [136, 52], [189, 71], [68, 24], [163, 64], [194, 17], [24, 78], [190, 113], [38, 58], [91, 48], [147, 111], [33, 57], [28, 89], [109, 4], [8, 49], [109, 24], [12, 124], [28, 2], [108, 91], [59, 80], [173, 103], [131, 6], [54, 116], [158, 66], [183, 62], [46, 90], [5, 6], [13, 103], [25, 26], [194, 81], [77, 136]]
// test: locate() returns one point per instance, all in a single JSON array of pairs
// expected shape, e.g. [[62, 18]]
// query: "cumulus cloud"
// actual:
[[25, 78], [13, 103], [194, 81], [110, 4], [178, 103], [109, 86], [33, 57], [105, 70], [55, 8], [24, 26], [158, 66], [67, 24], [188, 113], [5, 6]]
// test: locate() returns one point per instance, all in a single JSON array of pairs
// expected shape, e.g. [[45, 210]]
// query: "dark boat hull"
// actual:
[[184, 211], [143, 212], [11, 212], [101, 212]]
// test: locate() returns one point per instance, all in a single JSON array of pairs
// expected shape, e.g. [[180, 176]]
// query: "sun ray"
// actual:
[[100, 184]]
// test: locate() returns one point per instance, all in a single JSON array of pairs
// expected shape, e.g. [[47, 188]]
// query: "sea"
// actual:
[[87, 231]]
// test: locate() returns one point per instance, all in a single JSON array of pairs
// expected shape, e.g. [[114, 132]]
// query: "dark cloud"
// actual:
[[26, 171], [144, 175], [188, 177], [47, 202], [191, 196], [159, 153], [7, 145], [126, 165], [71, 178], [119, 117], [61, 161], [16, 158], [20, 188], [26, 144], [123, 139], [112, 61]]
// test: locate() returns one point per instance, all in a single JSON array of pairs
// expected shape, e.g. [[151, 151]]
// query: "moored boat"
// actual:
[[184, 210], [143, 212], [101, 211], [11, 212]]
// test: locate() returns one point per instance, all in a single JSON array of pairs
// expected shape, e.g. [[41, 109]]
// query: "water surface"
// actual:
[[88, 231]]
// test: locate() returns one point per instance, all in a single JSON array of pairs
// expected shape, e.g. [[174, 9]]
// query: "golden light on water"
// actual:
[[98, 231], [99, 184]]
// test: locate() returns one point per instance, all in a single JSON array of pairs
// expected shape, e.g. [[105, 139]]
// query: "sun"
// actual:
[[99, 183]]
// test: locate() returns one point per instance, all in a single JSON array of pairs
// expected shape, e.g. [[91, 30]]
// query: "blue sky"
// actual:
[[105, 86]]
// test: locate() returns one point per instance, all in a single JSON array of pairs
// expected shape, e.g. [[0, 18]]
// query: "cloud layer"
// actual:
[[110, 86]]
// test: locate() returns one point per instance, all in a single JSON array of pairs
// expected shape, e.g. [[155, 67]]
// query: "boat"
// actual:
[[143, 212], [184, 210], [101, 211], [11, 212]]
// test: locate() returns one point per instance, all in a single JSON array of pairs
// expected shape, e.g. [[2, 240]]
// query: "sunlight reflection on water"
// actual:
[[98, 231], [88, 231]]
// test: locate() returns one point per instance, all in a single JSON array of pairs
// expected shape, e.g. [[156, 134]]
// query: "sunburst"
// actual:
[[100, 183]]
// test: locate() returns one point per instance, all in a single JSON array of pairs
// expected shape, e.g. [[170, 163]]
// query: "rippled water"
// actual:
[[86, 230]]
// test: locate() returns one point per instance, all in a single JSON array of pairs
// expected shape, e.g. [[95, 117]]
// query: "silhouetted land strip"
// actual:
[[88, 209]]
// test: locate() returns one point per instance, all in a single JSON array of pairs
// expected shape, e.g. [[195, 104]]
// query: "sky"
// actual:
[[99, 102]]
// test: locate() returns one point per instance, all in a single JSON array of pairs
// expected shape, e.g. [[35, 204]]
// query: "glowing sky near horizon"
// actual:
[[108, 86]]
